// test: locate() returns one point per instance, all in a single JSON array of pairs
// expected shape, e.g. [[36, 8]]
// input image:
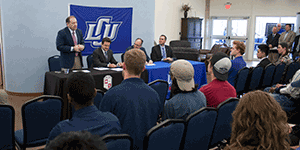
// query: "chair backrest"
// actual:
[[278, 73], [161, 87], [291, 70], [122, 57], [255, 78], [222, 128], [90, 61], [118, 141], [199, 128], [241, 80], [39, 118], [7, 127], [268, 75], [163, 137], [98, 98], [54, 63]]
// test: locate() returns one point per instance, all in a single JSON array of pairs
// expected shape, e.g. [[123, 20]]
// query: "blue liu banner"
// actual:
[[99, 22]]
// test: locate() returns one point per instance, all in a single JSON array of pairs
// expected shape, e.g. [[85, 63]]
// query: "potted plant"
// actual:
[[186, 8]]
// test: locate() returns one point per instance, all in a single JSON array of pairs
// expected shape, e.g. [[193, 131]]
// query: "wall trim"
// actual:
[[22, 94]]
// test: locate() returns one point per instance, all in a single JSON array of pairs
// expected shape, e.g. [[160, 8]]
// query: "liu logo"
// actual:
[[103, 27]]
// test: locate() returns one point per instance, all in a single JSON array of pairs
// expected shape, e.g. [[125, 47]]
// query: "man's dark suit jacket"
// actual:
[[64, 42], [296, 41], [99, 59], [263, 63], [156, 53], [273, 40]]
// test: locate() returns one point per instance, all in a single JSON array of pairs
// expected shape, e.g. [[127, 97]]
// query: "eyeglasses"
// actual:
[[137, 44]]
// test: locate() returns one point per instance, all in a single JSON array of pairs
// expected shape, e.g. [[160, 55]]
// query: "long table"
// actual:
[[55, 83]]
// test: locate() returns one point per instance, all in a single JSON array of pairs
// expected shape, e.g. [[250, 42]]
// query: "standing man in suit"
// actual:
[[288, 36], [103, 56], [273, 38], [162, 52], [296, 47], [262, 53], [70, 43]]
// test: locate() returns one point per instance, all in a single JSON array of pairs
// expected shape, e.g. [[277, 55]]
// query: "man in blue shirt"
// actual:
[[81, 93], [138, 45], [238, 62], [135, 103]]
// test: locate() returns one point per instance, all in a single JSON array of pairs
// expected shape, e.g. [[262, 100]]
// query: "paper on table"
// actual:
[[150, 64], [85, 71], [100, 68], [117, 69]]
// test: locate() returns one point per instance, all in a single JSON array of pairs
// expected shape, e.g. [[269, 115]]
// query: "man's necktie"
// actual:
[[106, 56], [164, 53], [75, 41]]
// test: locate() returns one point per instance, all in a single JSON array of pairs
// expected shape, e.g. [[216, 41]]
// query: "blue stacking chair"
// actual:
[[166, 135], [118, 141], [7, 127], [161, 87], [54, 63], [98, 98], [222, 128], [291, 70], [268, 76], [38, 118], [199, 129], [241, 80], [278, 73], [89, 60], [255, 78]]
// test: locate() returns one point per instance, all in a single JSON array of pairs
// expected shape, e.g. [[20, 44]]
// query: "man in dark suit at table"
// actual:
[[70, 43], [162, 52], [103, 56], [138, 45], [273, 38]]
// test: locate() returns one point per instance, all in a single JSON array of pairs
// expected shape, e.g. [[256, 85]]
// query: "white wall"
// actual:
[[168, 16], [254, 8]]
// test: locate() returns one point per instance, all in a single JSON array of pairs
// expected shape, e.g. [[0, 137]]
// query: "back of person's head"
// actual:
[[240, 46], [259, 122], [81, 88], [106, 39], [220, 64], [76, 140], [135, 60], [264, 48], [182, 74]]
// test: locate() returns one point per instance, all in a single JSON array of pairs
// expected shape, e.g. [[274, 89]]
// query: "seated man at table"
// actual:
[[135, 103], [162, 52], [103, 56], [138, 45], [218, 90], [238, 62], [186, 98], [81, 92]]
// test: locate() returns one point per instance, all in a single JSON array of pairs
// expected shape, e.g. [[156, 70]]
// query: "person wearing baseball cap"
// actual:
[[218, 90], [186, 99]]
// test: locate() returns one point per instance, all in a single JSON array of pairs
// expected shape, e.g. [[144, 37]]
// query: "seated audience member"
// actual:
[[287, 95], [272, 39], [79, 140], [162, 52], [218, 90], [186, 98], [258, 123], [138, 45], [103, 56], [81, 92], [296, 48], [262, 53], [135, 103], [238, 62], [283, 54]]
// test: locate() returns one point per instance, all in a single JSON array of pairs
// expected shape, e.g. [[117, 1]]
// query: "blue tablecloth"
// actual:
[[161, 71]]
